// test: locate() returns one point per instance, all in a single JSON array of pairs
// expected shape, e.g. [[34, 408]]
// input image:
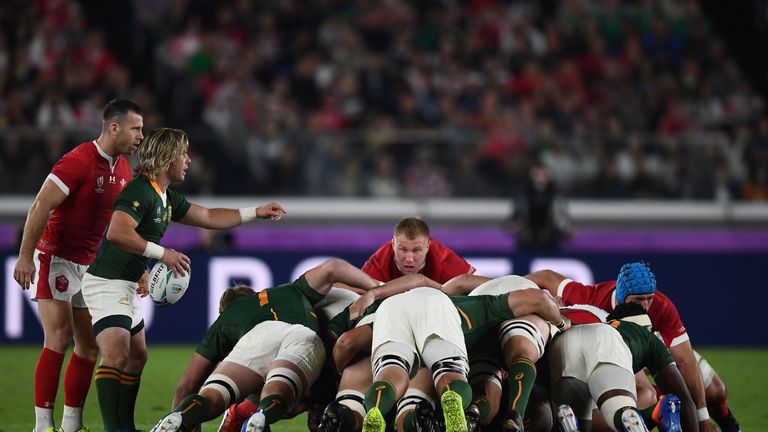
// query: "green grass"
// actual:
[[743, 370]]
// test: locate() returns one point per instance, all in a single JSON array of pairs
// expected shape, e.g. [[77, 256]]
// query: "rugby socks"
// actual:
[[72, 419], [193, 409], [129, 391], [47, 373], [483, 406], [77, 382], [463, 389], [108, 390], [409, 422], [348, 421], [522, 376], [382, 395], [248, 407], [273, 407], [43, 419]]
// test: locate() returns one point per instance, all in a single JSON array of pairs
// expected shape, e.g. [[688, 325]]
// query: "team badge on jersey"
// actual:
[[99, 184], [159, 217]]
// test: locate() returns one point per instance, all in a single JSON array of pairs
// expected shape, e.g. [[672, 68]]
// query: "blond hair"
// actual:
[[233, 293], [412, 227], [158, 151]]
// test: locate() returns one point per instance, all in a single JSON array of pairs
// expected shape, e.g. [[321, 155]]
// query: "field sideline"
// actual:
[[742, 369]]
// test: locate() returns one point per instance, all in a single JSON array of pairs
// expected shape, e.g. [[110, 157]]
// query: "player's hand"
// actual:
[[24, 272], [357, 309], [142, 289], [565, 325], [179, 263], [707, 426], [272, 211]]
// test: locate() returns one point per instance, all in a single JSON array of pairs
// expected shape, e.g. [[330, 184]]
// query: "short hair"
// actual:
[[116, 110], [237, 291], [623, 310], [412, 227], [159, 149]]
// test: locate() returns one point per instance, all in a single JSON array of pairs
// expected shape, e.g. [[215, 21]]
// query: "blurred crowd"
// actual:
[[617, 99]]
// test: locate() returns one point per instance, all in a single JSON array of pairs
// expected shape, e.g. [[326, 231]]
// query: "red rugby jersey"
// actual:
[[442, 264], [91, 179]]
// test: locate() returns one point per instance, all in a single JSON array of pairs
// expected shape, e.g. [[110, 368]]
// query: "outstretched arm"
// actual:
[[670, 381], [393, 287], [223, 218], [334, 270], [463, 284], [533, 301], [547, 279]]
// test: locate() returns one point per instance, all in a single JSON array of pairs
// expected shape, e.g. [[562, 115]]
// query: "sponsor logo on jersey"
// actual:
[[62, 283], [159, 217], [99, 184], [135, 205]]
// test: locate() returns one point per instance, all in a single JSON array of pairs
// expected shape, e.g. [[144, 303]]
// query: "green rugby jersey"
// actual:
[[142, 201], [481, 313], [290, 303], [647, 349]]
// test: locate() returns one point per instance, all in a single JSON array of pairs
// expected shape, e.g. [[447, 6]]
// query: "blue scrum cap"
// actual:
[[634, 279]]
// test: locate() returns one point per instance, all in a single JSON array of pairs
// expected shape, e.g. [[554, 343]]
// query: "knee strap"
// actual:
[[523, 328], [225, 386], [289, 377]]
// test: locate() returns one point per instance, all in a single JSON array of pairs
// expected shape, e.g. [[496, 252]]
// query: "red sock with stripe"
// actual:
[[47, 373], [77, 380]]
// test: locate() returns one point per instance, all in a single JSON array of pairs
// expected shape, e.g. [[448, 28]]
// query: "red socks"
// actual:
[[47, 373], [246, 409], [77, 380]]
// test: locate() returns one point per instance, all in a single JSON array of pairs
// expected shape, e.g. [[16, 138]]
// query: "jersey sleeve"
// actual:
[[658, 355], [214, 345], [313, 296], [180, 205], [574, 292], [68, 173], [374, 266], [666, 320], [453, 265], [133, 202]]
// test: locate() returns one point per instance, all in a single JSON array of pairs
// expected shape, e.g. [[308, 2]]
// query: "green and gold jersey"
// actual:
[[291, 303], [479, 314], [142, 200], [647, 349]]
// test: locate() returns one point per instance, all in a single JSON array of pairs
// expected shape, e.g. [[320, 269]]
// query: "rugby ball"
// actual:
[[164, 288]]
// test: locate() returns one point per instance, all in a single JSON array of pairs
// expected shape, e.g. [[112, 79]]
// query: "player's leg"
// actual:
[[79, 372], [346, 412], [56, 320], [393, 363], [295, 368], [522, 340], [225, 385], [574, 393], [613, 388], [448, 362], [112, 304], [418, 404], [717, 397], [486, 373], [131, 377]]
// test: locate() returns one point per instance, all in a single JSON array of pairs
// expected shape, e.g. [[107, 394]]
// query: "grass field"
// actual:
[[743, 370]]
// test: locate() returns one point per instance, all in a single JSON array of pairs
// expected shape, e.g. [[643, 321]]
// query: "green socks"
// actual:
[[522, 375], [380, 394]]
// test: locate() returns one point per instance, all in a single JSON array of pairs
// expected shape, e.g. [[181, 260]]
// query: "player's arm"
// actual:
[[122, 233], [393, 287], [547, 279], [198, 369], [689, 369], [49, 197], [463, 284], [534, 301], [224, 218], [670, 381]]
